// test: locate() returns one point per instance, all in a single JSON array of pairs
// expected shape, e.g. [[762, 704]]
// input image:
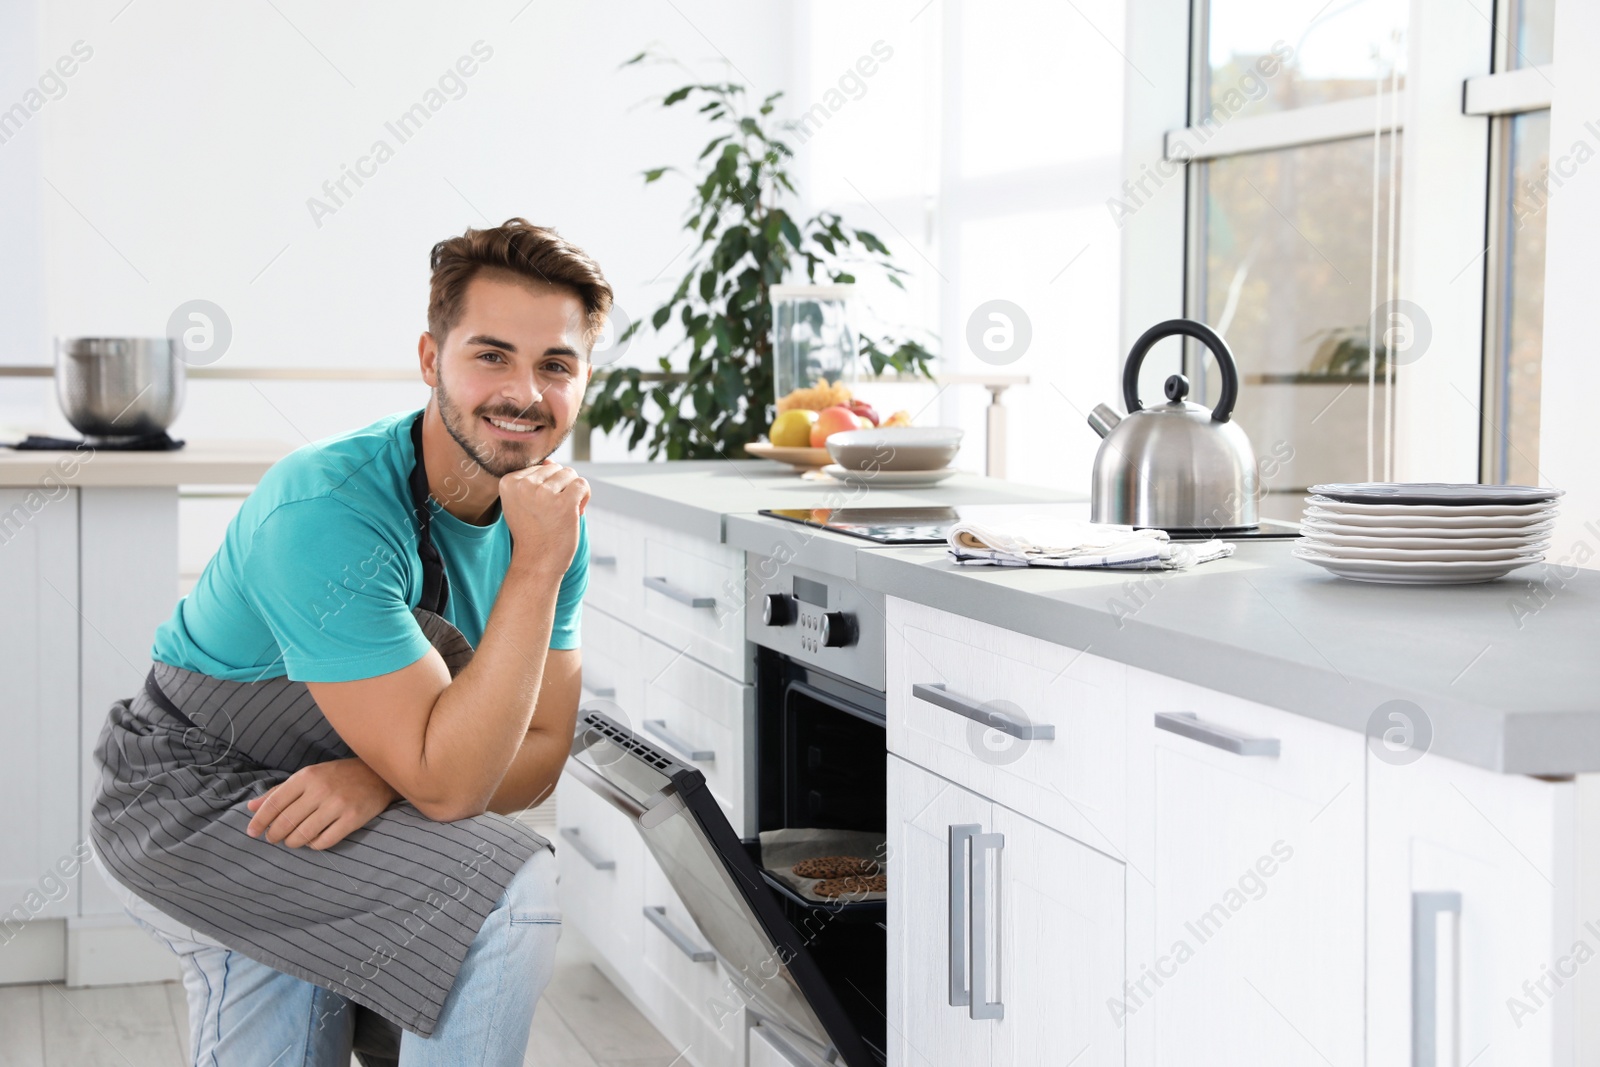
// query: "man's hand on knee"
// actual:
[[320, 805]]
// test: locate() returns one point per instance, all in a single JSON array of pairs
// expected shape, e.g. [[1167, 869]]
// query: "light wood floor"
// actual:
[[582, 1021]]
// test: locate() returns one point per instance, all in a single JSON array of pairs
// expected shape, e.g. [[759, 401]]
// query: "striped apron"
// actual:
[[384, 917]]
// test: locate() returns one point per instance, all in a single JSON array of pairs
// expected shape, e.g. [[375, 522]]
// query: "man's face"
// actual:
[[512, 373]]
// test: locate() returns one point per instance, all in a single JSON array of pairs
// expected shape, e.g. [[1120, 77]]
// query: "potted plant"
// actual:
[[747, 242]]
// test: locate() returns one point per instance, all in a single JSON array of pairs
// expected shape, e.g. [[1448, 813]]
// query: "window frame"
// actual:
[[1454, 96], [1499, 97]]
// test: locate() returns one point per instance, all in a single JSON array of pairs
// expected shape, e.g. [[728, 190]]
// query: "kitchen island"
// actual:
[[1269, 815], [89, 569], [1507, 671]]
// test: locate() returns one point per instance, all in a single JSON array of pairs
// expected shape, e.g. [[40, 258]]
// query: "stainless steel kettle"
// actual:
[[1179, 467]]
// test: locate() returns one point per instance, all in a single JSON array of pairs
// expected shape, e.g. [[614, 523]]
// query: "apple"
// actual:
[[835, 419], [864, 409]]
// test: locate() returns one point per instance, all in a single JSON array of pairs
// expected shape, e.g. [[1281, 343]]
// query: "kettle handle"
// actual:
[[1200, 332]]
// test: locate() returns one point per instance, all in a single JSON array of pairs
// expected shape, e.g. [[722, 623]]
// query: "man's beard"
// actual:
[[497, 458]]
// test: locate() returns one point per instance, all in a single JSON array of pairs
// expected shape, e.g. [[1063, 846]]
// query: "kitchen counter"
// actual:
[[197, 463], [1506, 673]]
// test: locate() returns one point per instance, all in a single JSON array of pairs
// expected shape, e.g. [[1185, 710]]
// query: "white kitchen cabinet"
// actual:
[[612, 680], [768, 1048], [39, 713], [680, 981], [673, 669], [964, 696], [128, 571], [1246, 883], [616, 564], [600, 859], [694, 600], [928, 934], [705, 719], [1004, 936], [1061, 933], [1481, 897]]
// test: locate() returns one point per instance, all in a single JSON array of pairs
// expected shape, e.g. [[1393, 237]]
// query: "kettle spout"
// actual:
[[1103, 419]]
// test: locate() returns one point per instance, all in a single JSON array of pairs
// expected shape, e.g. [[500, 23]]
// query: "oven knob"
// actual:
[[838, 629], [778, 609]]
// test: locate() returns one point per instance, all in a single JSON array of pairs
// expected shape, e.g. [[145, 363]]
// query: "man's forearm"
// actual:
[[478, 724], [532, 776]]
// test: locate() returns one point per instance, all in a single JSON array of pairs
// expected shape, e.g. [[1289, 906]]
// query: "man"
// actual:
[[308, 799]]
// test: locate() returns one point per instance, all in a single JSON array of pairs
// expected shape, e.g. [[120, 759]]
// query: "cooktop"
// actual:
[[930, 525]]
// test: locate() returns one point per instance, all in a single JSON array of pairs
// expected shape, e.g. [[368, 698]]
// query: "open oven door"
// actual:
[[722, 887]]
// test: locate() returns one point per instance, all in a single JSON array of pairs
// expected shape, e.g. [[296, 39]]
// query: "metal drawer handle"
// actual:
[[982, 1007], [696, 755], [1188, 724], [936, 693], [570, 835], [658, 918], [603, 561], [666, 588], [1425, 911], [960, 994]]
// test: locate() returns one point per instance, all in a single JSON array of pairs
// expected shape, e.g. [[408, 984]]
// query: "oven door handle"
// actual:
[[1005, 722]]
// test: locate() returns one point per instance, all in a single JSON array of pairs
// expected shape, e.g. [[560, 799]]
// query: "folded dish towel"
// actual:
[[1050, 542]]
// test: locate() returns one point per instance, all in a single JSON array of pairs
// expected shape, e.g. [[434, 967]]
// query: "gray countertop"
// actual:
[[1506, 673]]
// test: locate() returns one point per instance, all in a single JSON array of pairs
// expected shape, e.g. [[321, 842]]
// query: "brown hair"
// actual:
[[534, 252]]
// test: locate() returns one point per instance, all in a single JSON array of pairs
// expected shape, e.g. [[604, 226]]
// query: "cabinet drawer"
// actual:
[[599, 857], [964, 696], [693, 599], [611, 677], [679, 980], [615, 563], [702, 717]]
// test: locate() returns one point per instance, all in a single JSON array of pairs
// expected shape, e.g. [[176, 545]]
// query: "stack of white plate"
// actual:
[[1426, 533]]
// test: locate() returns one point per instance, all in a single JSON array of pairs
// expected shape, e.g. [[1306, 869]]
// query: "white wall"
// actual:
[[179, 162], [1570, 374]]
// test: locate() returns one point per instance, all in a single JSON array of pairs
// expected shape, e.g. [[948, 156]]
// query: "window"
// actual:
[[955, 155], [1293, 226]]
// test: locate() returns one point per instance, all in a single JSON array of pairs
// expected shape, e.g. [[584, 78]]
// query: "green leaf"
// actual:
[[871, 243], [717, 395]]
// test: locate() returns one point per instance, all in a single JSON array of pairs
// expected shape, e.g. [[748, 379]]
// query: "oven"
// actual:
[[811, 971]]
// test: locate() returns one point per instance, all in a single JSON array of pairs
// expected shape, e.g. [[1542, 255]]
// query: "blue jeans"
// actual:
[[243, 1013]]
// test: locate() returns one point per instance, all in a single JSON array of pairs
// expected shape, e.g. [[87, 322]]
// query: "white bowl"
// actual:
[[895, 448]]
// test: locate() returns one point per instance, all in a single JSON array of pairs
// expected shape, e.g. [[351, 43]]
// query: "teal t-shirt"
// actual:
[[318, 573]]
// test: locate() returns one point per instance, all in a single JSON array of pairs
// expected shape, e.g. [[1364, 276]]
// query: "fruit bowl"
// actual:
[[895, 448], [801, 459]]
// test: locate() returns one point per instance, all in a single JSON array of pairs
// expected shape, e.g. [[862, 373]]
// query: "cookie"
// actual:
[[834, 867], [851, 885]]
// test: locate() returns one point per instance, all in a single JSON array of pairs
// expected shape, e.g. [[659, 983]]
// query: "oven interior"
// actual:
[[821, 764]]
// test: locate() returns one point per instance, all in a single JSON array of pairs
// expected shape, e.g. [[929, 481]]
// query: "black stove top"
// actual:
[[930, 525]]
